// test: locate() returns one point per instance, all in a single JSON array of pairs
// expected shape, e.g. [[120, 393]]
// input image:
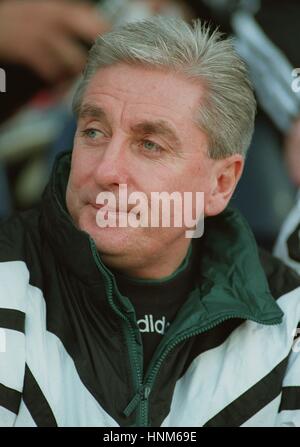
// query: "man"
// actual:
[[136, 325]]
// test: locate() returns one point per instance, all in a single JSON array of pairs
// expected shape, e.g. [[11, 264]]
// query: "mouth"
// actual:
[[127, 208], [111, 210], [95, 205]]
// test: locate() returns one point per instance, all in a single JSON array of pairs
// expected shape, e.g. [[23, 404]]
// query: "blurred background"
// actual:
[[43, 49]]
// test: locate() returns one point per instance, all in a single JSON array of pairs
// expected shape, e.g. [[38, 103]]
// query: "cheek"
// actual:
[[195, 178], [191, 178], [81, 170], [77, 182], [200, 176]]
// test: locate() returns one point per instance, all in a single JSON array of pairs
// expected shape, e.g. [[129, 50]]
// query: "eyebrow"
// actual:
[[157, 127], [91, 111]]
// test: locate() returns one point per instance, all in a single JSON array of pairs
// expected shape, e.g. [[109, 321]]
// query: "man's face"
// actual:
[[136, 127]]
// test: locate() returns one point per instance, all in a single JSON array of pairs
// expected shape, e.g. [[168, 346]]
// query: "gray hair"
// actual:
[[227, 111]]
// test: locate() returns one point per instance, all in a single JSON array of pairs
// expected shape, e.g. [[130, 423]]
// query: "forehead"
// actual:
[[145, 90]]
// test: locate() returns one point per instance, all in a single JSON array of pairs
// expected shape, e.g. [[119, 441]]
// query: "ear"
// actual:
[[226, 174]]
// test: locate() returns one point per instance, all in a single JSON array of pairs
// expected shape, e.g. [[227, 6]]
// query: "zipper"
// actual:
[[138, 380], [141, 397]]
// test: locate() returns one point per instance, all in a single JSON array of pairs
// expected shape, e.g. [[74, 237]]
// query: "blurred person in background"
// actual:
[[43, 44]]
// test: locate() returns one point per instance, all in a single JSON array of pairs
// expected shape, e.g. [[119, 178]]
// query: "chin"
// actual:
[[114, 241]]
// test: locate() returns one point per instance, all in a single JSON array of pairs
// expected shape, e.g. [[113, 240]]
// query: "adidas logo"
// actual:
[[148, 324]]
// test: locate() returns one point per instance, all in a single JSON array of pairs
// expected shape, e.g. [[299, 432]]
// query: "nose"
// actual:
[[113, 165]]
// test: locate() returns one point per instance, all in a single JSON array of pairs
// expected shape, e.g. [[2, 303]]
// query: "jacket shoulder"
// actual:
[[20, 258], [19, 235], [281, 278]]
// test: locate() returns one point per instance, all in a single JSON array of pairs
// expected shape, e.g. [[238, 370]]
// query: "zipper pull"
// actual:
[[147, 391], [142, 394]]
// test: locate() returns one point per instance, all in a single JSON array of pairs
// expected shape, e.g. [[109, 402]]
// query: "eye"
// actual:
[[92, 133], [150, 146]]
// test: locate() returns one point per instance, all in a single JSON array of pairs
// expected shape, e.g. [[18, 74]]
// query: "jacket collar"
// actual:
[[70, 245], [230, 278]]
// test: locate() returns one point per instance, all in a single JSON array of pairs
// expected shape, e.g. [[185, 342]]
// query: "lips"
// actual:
[[112, 210], [96, 205], [127, 209]]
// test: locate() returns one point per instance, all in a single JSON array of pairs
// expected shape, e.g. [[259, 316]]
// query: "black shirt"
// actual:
[[156, 302]]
